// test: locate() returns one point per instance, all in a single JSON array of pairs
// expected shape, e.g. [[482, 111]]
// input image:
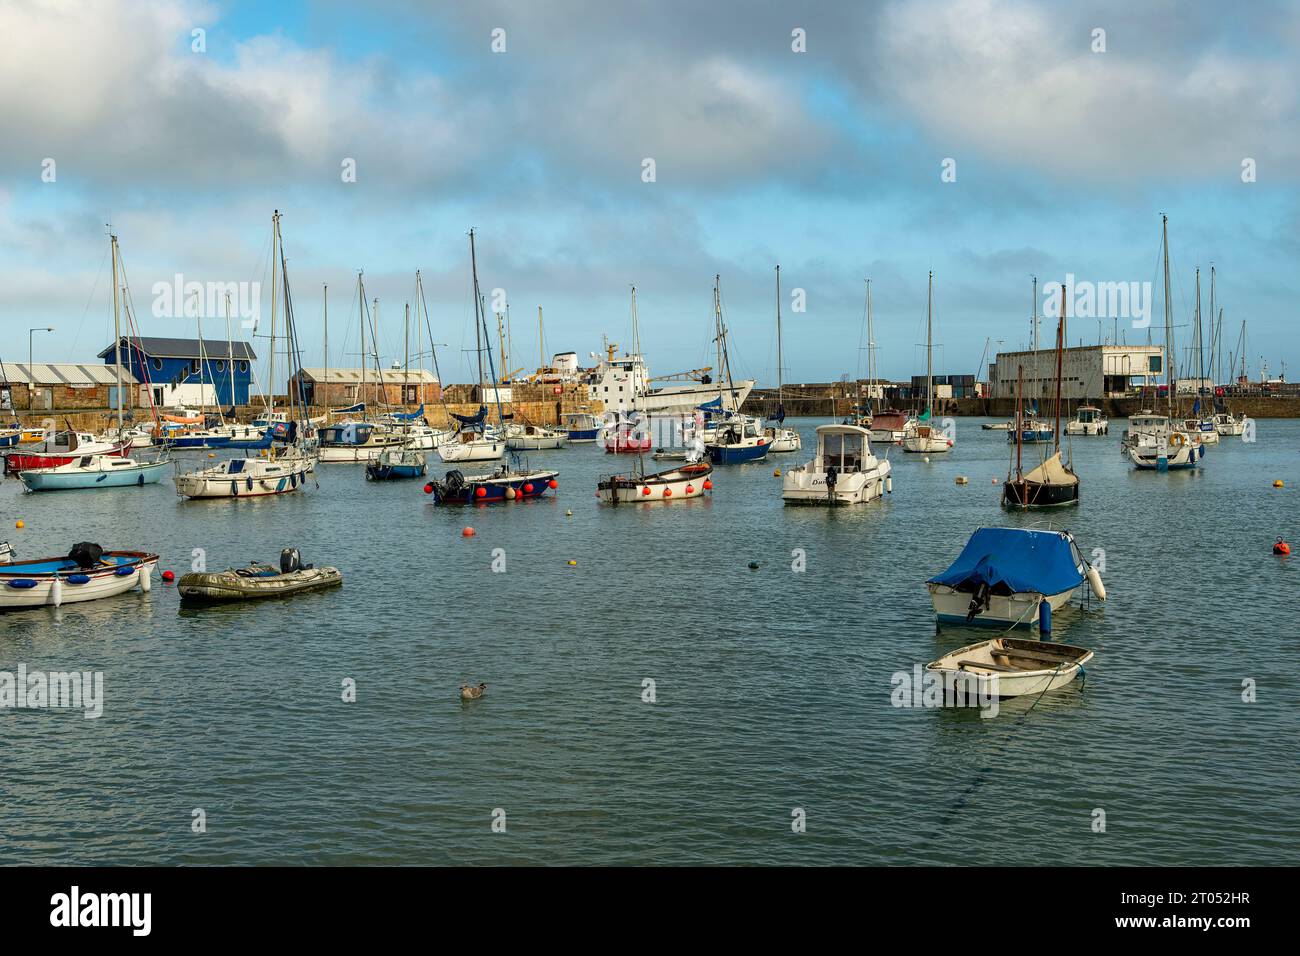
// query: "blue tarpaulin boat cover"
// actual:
[[472, 421], [409, 416], [350, 410], [1020, 559]]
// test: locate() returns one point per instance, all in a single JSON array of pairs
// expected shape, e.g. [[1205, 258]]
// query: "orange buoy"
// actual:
[[480, 492], [467, 533], [1279, 483], [668, 492], [708, 484], [428, 489], [1281, 547], [690, 489], [553, 484], [645, 491], [19, 524]]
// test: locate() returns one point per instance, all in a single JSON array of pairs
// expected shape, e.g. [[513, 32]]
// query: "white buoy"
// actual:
[[56, 593], [146, 579], [1094, 582]]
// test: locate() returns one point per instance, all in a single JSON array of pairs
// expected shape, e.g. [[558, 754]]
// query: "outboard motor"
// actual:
[[455, 481], [86, 554], [290, 561]]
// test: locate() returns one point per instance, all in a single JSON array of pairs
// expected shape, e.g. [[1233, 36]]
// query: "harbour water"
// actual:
[[772, 686]]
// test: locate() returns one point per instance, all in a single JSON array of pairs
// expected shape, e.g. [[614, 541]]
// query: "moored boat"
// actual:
[[257, 581], [1088, 420], [690, 481], [1012, 577], [581, 427], [1013, 667], [845, 471], [94, 471], [528, 437], [355, 442], [504, 484], [87, 573], [396, 463], [246, 477], [63, 449]]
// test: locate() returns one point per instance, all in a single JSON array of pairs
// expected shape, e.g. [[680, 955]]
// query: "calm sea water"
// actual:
[[772, 687]]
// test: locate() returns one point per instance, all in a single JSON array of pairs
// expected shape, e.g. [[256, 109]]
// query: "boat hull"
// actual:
[[28, 461], [472, 451], [286, 477], [377, 471], [495, 488], [53, 480], [224, 587], [63, 582], [801, 486], [1033, 494], [1005, 610], [678, 483], [1061, 665], [536, 443], [738, 454]]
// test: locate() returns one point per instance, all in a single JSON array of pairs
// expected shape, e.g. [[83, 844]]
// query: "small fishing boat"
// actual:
[[1013, 667], [257, 581], [1032, 431], [1088, 420], [396, 463], [1012, 577], [738, 440], [845, 471], [9, 437], [625, 438], [64, 448], [581, 427], [504, 484], [94, 471], [689, 481], [87, 573], [246, 477], [525, 437]]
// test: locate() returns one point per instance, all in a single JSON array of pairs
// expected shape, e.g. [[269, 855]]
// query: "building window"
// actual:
[[221, 366], [243, 366], [194, 365], [157, 365]]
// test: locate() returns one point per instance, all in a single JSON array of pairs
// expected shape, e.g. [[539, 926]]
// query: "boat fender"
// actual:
[[552, 484], [78, 579], [146, 578], [234, 489], [56, 593], [140, 481], [249, 482], [1094, 582], [889, 484], [1045, 616], [22, 584], [124, 572]]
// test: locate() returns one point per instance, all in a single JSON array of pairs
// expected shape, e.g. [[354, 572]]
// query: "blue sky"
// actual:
[[827, 162]]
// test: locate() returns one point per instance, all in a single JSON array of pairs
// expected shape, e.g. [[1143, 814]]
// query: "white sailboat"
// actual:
[[780, 438], [919, 434]]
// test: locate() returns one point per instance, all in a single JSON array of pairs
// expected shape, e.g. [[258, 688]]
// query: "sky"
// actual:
[[986, 141]]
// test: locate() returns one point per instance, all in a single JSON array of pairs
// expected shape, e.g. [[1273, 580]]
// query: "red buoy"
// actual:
[[690, 489], [467, 533], [668, 492], [528, 488], [645, 491], [708, 484], [428, 489], [480, 492], [553, 484], [169, 575], [1281, 547]]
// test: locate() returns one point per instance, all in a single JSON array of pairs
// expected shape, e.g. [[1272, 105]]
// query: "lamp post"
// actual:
[[31, 374]]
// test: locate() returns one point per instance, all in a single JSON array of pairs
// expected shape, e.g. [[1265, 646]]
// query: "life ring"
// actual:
[[1178, 438]]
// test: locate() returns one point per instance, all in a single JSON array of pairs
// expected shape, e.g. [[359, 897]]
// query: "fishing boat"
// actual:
[[919, 434], [691, 480], [845, 471], [94, 471], [87, 573], [505, 484], [9, 437], [355, 441], [396, 463], [625, 438], [30, 434], [257, 581], [1012, 577], [1031, 431], [528, 437], [246, 477], [1012, 667], [581, 427], [62, 449], [1088, 420], [780, 438]]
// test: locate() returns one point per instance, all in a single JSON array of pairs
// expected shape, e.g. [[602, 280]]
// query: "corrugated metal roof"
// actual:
[[352, 376], [184, 348], [64, 374]]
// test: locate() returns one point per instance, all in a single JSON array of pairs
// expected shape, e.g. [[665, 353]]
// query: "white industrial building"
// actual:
[[1087, 372]]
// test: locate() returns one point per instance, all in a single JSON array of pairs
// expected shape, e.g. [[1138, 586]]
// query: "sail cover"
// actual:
[[1052, 472], [472, 421], [1019, 559], [414, 416], [350, 410]]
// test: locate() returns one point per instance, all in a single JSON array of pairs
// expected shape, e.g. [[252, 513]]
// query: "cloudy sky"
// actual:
[[829, 162]]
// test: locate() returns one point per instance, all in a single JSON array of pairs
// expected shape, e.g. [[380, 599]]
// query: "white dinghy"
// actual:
[[1013, 667]]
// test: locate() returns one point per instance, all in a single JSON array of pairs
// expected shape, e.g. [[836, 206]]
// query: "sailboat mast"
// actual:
[[117, 333], [929, 349], [1020, 415], [871, 354], [325, 292], [230, 355], [717, 326], [1033, 322], [275, 246], [1060, 355], [478, 338], [541, 340], [780, 383], [1170, 364], [361, 315], [406, 349]]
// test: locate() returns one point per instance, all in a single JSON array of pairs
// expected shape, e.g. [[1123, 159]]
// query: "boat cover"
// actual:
[[1017, 558], [350, 410], [1052, 472], [472, 421], [414, 416]]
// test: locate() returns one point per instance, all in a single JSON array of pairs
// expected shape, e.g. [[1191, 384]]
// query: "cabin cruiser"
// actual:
[[1151, 442], [921, 437], [737, 440], [1225, 423], [1088, 420], [845, 471], [356, 441]]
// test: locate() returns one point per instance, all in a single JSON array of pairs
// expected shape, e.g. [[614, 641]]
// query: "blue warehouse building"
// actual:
[[172, 369]]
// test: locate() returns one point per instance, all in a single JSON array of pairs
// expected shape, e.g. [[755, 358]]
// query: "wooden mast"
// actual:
[[1171, 380], [117, 339], [1060, 353]]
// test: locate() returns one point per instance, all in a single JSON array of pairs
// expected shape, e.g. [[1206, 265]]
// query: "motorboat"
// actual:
[[845, 471], [257, 581], [355, 442], [1011, 667], [1012, 577], [581, 427], [1229, 425], [1088, 420], [1032, 431], [528, 437], [504, 484], [94, 471], [886, 427], [62, 449], [396, 463], [689, 481], [86, 573], [737, 440]]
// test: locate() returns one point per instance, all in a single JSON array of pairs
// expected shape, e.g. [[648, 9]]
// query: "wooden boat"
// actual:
[[87, 573], [396, 463], [1013, 667], [94, 471], [1012, 577], [246, 478], [1053, 483], [689, 481], [844, 472], [502, 485], [257, 581]]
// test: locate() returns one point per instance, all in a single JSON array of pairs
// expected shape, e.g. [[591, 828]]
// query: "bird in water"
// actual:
[[472, 693]]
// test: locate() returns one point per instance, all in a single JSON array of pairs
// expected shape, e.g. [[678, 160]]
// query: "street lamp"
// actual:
[[31, 374]]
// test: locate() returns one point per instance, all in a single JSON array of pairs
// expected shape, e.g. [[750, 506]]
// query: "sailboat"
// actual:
[[919, 434], [1201, 425], [1053, 483], [736, 437], [1225, 422], [94, 469], [780, 439], [282, 470], [1157, 442]]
